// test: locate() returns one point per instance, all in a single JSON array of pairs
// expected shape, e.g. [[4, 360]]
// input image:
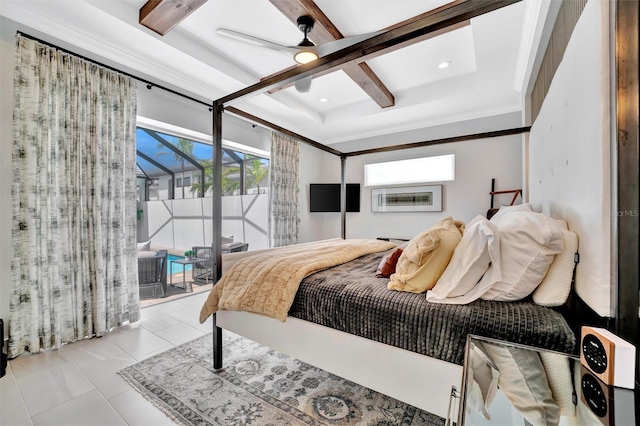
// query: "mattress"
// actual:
[[350, 298]]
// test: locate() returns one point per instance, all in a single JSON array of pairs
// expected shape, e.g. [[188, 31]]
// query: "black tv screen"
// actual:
[[325, 197]]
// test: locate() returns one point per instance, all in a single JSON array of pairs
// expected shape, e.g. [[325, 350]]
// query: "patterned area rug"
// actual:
[[260, 386]]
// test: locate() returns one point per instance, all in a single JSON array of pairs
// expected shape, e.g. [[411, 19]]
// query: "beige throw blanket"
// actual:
[[266, 283]]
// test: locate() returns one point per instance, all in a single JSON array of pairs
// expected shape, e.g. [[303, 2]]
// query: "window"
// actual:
[[437, 168], [168, 152], [256, 174]]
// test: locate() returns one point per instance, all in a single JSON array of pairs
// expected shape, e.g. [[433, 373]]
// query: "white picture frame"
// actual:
[[424, 198]]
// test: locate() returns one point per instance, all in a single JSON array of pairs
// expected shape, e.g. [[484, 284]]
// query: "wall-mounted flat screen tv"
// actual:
[[325, 197]]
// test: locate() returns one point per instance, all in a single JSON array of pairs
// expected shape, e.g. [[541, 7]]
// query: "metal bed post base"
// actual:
[[217, 344]]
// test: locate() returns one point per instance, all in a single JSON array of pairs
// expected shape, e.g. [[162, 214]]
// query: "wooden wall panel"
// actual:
[[627, 56], [565, 23]]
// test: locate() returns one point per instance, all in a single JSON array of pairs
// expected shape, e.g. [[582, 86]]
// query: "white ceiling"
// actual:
[[485, 60]]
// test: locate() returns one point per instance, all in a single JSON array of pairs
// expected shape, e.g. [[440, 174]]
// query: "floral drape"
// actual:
[[284, 216], [74, 267]]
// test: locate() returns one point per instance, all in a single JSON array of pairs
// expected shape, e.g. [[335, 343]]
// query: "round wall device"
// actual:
[[594, 353]]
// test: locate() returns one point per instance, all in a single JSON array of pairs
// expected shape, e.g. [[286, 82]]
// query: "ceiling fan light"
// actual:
[[305, 56]]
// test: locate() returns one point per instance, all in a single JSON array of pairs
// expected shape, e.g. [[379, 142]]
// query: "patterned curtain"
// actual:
[[74, 266], [284, 217]]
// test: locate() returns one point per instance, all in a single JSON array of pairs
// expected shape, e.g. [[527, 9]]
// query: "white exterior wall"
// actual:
[[182, 224]]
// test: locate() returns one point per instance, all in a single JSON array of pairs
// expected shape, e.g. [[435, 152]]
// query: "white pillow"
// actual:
[[144, 246], [528, 243], [479, 246], [524, 382], [504, 209], [556, 285]]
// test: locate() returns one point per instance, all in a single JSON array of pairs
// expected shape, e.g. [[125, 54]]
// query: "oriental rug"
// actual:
[[260, 386]]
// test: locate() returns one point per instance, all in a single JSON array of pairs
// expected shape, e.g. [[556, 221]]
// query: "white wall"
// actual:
[[477, 162], [183, 224], [316, 166], [569, 153]]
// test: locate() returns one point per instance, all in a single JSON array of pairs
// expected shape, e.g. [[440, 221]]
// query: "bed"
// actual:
[[343, 319]]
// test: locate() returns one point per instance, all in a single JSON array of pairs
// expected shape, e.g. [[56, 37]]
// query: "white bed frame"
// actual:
[[416, 379]]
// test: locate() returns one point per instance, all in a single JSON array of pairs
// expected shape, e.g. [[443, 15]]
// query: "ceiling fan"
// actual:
[[305, 51]]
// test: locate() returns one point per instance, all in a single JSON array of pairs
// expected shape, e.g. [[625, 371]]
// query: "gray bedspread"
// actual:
[[350, 298]]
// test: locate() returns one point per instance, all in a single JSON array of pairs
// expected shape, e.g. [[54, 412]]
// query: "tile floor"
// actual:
[[80, 385]]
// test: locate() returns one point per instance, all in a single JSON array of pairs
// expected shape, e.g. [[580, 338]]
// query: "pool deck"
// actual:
[[177, 279]]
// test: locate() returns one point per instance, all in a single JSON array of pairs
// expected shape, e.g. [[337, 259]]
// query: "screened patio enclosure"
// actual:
[[172, 167], [174, 190]]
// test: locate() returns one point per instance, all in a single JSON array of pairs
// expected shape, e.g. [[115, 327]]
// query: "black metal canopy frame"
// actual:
[[626, 75], [448, 15]]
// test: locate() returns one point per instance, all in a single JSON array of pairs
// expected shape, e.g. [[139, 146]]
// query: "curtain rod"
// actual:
[[135, 77], [151, 84], [265, 123]]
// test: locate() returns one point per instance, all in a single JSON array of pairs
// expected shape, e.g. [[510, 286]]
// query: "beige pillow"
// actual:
[[558, 371], [556, 285], [426, 257], [142, 254]]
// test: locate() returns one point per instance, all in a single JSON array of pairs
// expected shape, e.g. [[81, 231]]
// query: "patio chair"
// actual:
[[152, 273], [203, 271]]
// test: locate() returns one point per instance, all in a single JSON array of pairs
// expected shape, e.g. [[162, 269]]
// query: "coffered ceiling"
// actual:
[[489, 59]]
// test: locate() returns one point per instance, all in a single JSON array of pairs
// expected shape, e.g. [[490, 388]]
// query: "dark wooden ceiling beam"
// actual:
[[454, 14], [325, 31], [362, 75], [162, 15]]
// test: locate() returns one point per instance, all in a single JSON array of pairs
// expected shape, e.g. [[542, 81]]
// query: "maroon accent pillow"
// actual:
[[387, 265]]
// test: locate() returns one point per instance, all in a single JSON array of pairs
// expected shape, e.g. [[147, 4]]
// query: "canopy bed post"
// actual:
[[217, 219], [627, 15], [343, 197]]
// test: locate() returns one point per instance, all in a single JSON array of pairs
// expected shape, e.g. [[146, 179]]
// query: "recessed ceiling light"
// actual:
[[324, 99], [444, 64]]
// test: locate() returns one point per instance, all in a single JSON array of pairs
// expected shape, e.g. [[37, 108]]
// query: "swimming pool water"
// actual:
[[175, 268]]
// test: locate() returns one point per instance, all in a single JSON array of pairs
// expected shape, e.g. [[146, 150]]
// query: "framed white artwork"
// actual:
[[407, 199]]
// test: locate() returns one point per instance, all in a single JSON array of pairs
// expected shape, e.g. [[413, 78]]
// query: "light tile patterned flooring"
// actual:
[[80, 385]]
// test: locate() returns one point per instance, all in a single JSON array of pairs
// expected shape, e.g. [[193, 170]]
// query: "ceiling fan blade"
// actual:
[[334, 46], [255, 40], [303, 85]]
